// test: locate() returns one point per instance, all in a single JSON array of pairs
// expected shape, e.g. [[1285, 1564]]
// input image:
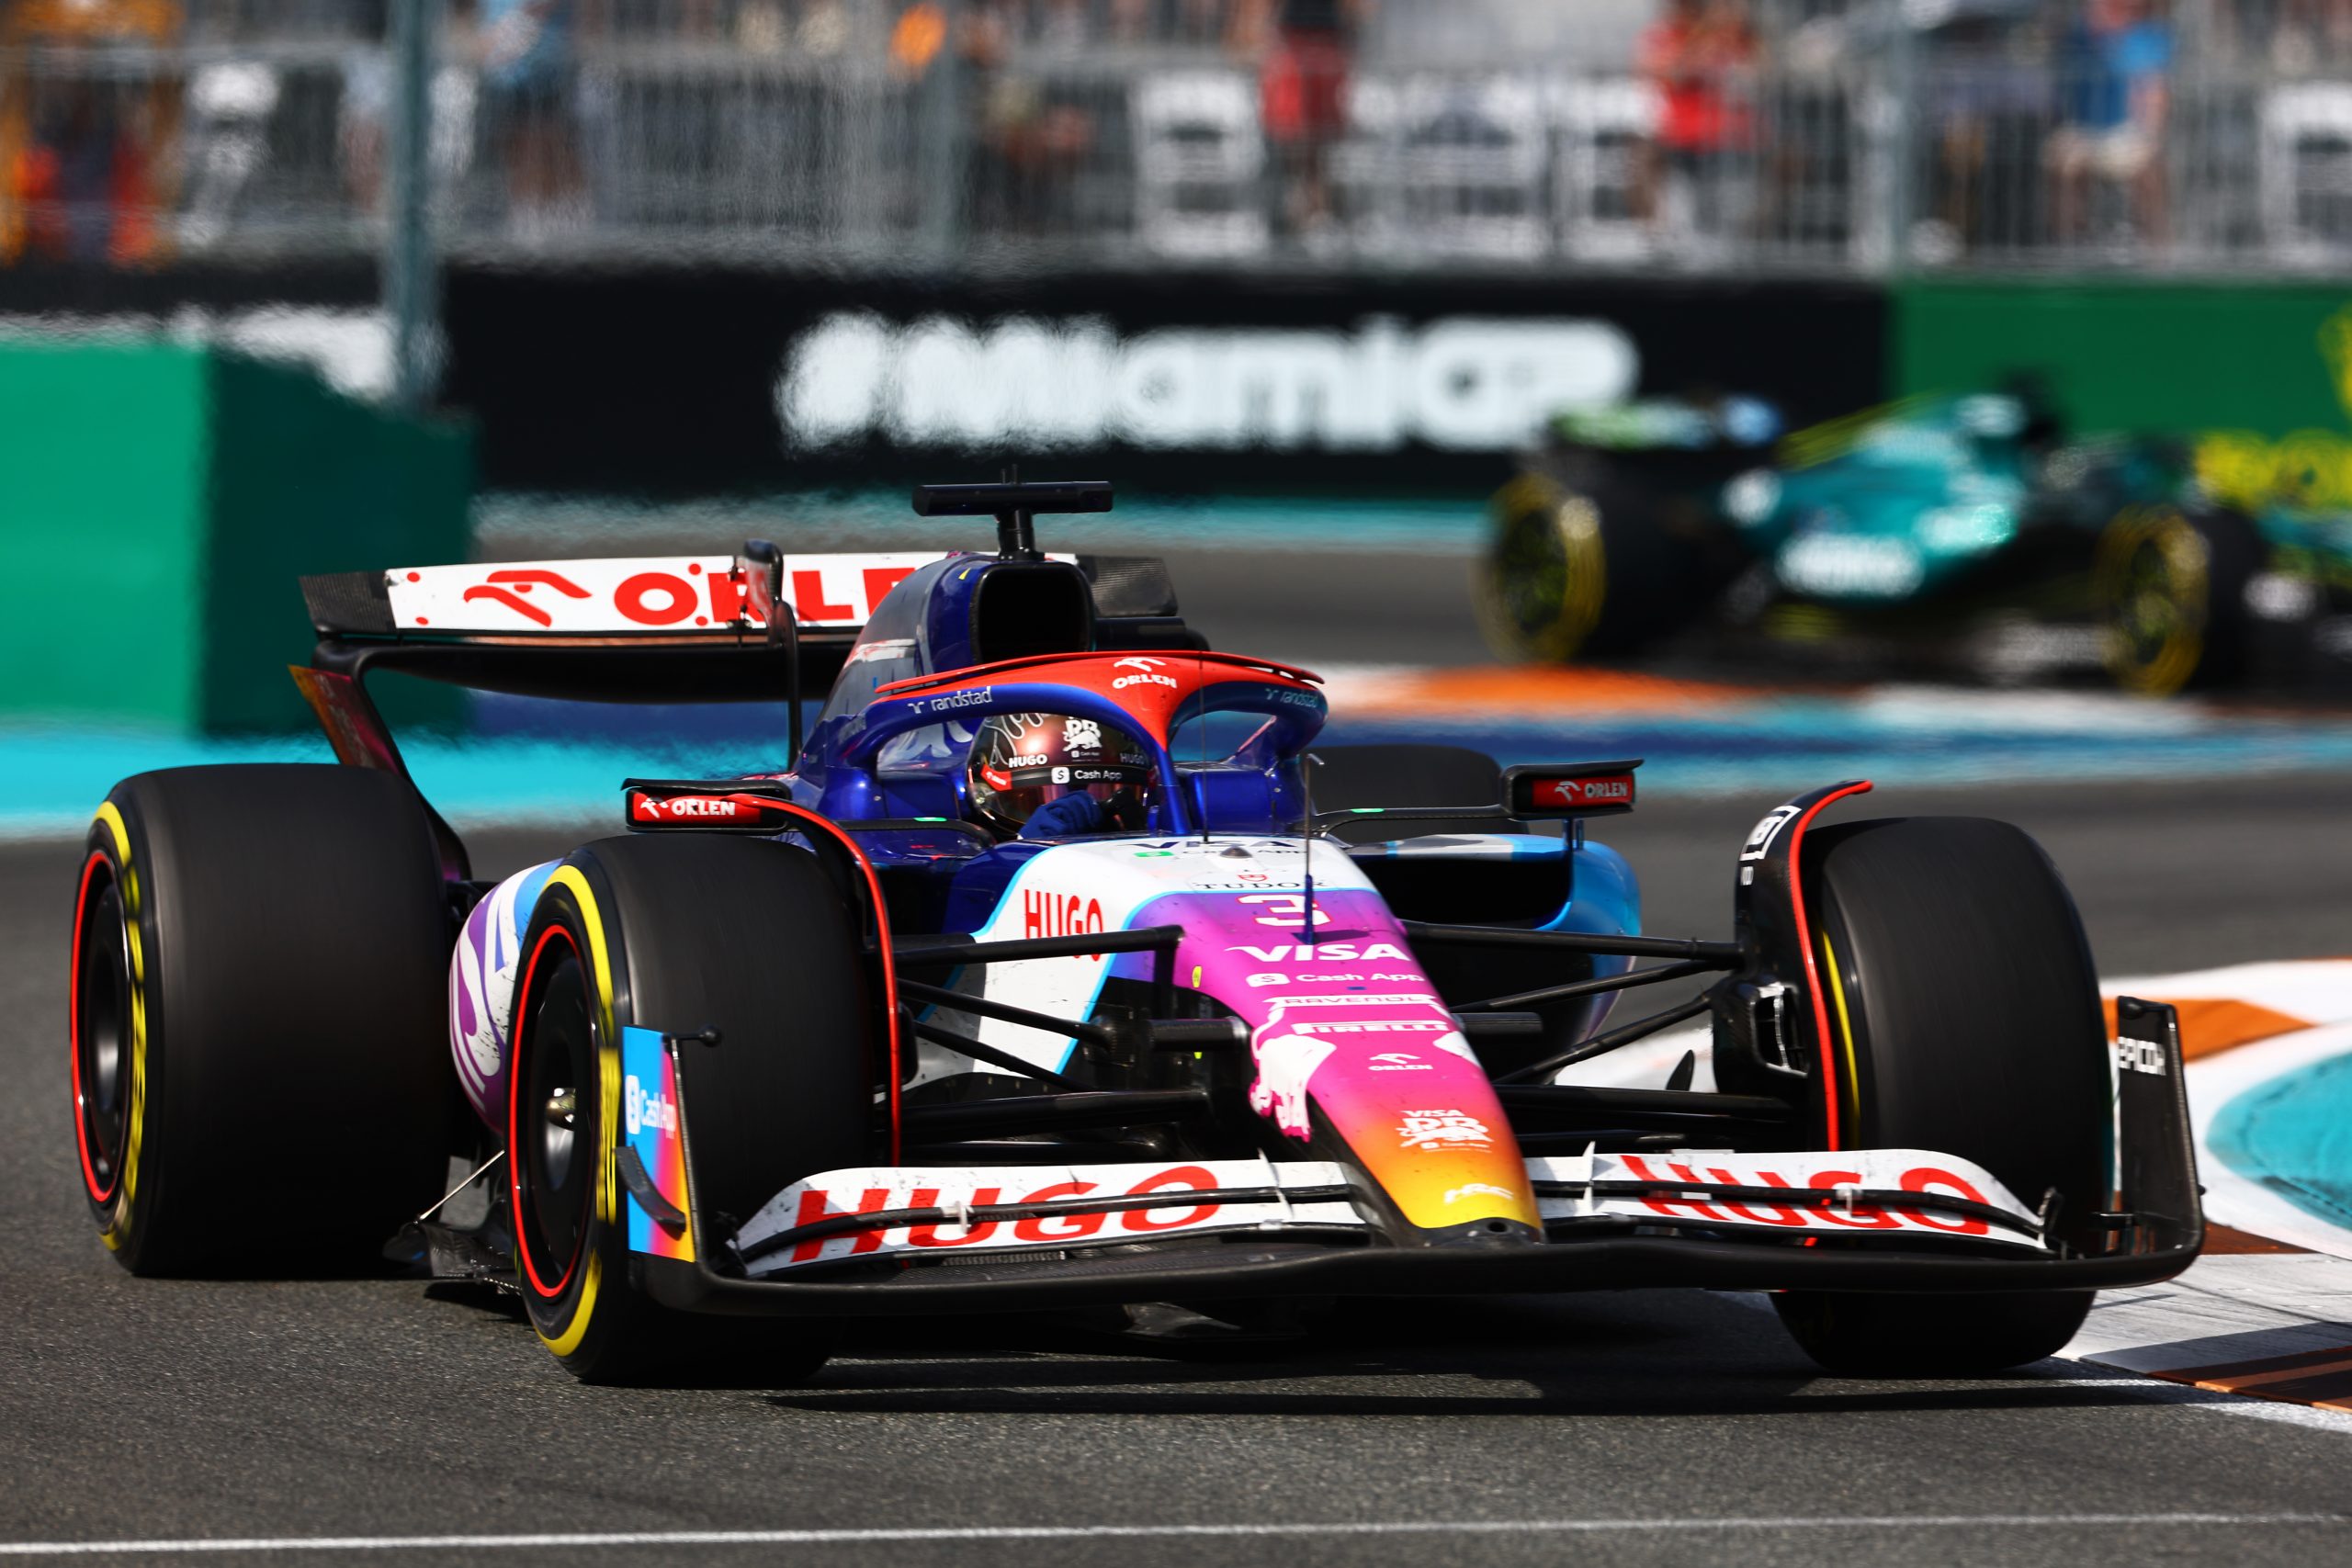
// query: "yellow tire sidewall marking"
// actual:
[[2188, 568], [118, 1226], [608, 1077], [1532, 500], [1845, 1030]]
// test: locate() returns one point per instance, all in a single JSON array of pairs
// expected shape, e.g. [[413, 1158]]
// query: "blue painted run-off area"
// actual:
[[540, 759], [2293, 1134]]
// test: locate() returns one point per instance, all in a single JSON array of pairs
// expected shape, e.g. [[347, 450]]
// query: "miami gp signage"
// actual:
[[1463, 383]]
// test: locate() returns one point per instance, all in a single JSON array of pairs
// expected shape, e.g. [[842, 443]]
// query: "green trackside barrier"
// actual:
[[157, 503], [2259, 374]]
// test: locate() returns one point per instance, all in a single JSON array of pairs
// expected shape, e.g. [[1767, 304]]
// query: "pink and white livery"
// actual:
[[1059, 961]]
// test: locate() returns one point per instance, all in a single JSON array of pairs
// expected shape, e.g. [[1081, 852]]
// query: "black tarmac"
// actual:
[[1640, 1427]]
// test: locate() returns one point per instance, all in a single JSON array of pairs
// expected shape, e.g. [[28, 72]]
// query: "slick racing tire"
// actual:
[[683, 933], [260, 1062], [1567, 575], [2169, 590], [1964, 1018]]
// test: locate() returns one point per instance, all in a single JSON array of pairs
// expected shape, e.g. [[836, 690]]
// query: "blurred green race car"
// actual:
[[1939, 531]]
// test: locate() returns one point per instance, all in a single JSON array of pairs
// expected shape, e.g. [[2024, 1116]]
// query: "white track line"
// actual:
[[1093, 1532]]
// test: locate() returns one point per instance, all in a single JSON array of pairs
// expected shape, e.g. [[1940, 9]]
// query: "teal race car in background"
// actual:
[[1964, 532]]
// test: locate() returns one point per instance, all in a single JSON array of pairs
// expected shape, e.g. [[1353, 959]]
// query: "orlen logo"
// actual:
[[640, 1109], [1148, 677], [1047, 913], [1584, 792], [1401, 1062], [691, 805], [646, 598]]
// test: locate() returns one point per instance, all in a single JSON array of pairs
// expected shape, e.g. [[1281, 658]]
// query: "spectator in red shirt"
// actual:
[[1303, 90], [1693, 55]]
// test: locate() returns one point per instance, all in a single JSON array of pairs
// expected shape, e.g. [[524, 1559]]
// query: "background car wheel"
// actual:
[[1568, 575], [259, 956], [2169, 586], [1966, 1019], [682, 933]]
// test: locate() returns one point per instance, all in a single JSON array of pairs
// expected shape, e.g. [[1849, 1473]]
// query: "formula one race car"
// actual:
[[1050, 976], [1940, 530]]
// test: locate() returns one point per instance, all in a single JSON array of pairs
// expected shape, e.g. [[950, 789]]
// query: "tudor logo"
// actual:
[[2141, 1056]]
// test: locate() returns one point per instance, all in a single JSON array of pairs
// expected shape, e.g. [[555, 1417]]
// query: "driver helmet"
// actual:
[[1021, 761]]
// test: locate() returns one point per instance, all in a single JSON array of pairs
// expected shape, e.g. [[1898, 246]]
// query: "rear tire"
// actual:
[[1966, 1006], [259, 1055], [2170, 589], [681, 934]]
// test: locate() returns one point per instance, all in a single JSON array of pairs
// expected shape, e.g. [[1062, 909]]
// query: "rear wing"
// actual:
[[760, 627], [704, 598], [660, 628]]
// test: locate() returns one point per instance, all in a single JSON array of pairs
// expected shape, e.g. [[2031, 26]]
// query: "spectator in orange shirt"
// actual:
[[84, 154]]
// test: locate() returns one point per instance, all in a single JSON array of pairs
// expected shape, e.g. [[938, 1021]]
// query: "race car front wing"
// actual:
[[897, 1239]]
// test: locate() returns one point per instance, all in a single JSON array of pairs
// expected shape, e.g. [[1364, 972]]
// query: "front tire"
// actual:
[[256, 1026], [1965, 1016], [1568, 574], [679, 934], [2170, 587]]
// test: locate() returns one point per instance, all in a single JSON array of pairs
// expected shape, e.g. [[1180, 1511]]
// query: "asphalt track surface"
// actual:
[[1637, 1428], [1640, 1427]]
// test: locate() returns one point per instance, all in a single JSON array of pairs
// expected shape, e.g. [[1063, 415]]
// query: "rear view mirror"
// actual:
[[1547, 791]]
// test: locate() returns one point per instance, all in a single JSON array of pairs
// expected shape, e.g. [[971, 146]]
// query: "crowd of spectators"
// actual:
[[2026, 122]]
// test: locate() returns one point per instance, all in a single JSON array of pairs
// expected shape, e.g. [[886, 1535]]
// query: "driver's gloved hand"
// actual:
[[1064, 819], [1124, 812]]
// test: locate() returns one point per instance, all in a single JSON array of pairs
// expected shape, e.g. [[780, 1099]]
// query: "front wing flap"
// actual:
[[915, 1213], [865, 1239]]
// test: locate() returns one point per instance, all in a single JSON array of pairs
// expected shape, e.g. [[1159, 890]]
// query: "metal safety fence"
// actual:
[[1826, 137]]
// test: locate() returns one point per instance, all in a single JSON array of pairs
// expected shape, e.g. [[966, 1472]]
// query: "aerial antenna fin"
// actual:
[[1309, 761]]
